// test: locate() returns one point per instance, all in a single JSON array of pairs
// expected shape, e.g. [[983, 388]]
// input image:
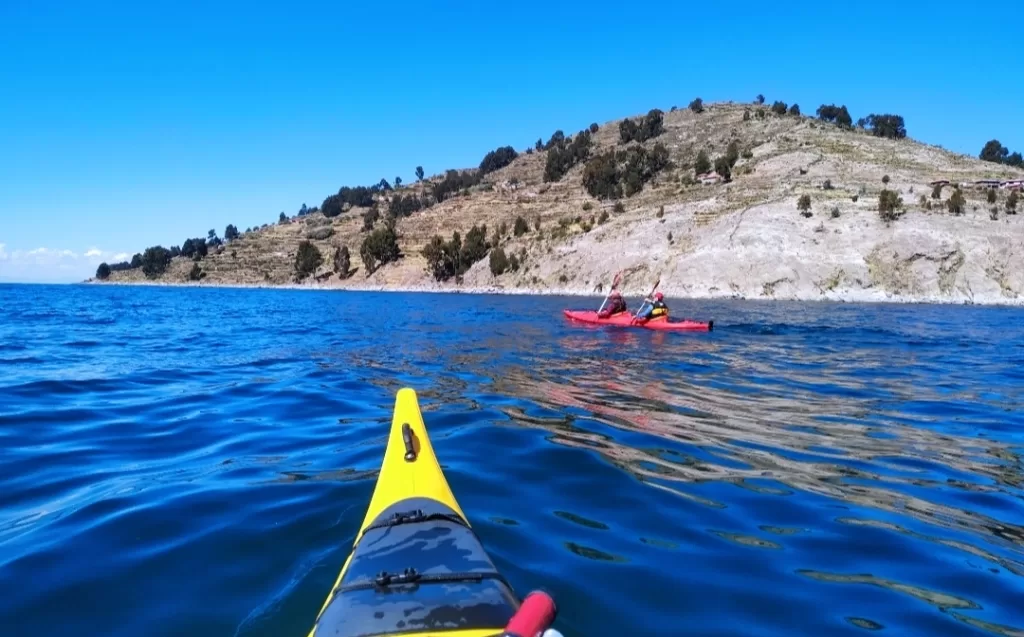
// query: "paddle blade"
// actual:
[[655, 288]]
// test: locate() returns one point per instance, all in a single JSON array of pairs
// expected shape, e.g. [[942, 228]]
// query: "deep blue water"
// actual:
[[197, 461]]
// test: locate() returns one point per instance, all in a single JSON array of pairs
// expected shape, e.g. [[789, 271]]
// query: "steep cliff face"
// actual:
[[744, 238]]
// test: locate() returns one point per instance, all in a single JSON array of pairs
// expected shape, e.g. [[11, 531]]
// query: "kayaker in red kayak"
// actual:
[[616, 305], [657, 309]]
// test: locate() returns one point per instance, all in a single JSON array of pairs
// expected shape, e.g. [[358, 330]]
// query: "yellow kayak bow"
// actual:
[[416, 567]]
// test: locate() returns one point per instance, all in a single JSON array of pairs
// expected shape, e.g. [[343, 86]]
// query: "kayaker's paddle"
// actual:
[[615, 284], [637, 315], [534, 617]]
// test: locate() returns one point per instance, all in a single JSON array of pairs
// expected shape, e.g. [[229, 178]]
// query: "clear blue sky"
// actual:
[[127, 124]]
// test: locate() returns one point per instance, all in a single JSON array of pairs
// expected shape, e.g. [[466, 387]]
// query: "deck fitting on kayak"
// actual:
[[411, 576], [400, 517], [408, 577], [410, 450], [414, 517]]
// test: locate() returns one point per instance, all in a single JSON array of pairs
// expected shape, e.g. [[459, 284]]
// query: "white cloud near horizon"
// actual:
[[47, 265]]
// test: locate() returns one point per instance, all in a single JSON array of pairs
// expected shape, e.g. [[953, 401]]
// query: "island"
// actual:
[[735, 200]]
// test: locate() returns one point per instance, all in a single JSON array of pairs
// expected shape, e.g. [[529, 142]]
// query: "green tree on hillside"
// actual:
[[628, 130], [155, 260], [697, 106], [843, 118], [889, 205], [563, 156], [702, 164], [557, 139], [956, 203], [724, 168], [600, 177], [343, 262], [794, 110], [520, 227], [652, 125], [454, 182], [443, 256], [332, 206], [398, 182], [499, 262], [835, 114], [732, 153], [194, 249], [888, 126], [379, 248], [361, 196], [616, 173], [103, 272], [475, 246], [446, 259], [803, 204], [497, 159], [282, 218], [994, 152], [780, 108], [370, 217], [419, 173], [230, 233], [404, 206], [307, 259]]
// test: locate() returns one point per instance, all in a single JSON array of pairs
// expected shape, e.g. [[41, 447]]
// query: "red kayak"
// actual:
[[625, 319]]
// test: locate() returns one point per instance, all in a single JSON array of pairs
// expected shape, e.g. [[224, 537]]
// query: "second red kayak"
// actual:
[[625, 319]]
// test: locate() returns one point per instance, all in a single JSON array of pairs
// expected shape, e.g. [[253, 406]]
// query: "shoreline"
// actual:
[[845, 296]]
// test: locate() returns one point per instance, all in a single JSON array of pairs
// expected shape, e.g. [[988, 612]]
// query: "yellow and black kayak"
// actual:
[[416, 568]]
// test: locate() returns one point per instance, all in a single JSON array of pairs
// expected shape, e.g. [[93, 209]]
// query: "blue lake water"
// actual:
[[197, 461]]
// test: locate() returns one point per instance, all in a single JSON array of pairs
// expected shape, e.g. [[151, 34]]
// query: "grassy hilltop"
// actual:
[[743, 200]]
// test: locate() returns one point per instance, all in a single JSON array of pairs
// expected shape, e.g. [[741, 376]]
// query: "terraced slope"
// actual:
[[744, 238]]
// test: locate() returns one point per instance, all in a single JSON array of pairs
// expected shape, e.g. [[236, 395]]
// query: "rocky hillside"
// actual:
[[804, 216]]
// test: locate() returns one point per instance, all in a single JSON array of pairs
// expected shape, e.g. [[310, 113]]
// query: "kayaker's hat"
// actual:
[[659, 296]]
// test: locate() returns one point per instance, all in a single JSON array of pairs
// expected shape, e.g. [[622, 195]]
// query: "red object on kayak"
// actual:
[[535, 615], [625, 319]]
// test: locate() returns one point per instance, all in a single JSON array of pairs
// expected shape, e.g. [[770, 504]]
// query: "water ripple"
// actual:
[[197, 461]]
